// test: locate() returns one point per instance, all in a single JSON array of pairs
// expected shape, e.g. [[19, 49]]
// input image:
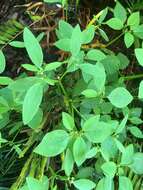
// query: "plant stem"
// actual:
[[67, 100], [33, 167], [114, 40], [135, 179], [62, 88], [78, 113], [42, 167], [22, 175], [132, 77], [138, 184], [29, 143], [63, 75]]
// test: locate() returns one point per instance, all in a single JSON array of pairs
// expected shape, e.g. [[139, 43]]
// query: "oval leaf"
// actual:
[[79, 151], [33, 48], [120, 97], [68, 121], [53, 143], [32, 102], [84, 184], [115, 23]]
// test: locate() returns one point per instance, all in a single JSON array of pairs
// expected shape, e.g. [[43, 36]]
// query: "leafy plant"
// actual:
[[95, 138], [9, 30]]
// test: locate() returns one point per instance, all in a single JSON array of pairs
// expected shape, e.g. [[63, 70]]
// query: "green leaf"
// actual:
[[91, 153], [100, 185], [75, 44], [138, 31], [120, 97], [136, 132], [106, 107], [128, 39], [124, 61], [68, 121], [120, 12], [53, 143], [33, 48], [32, 102], [30, 67], [68, 162], [23, 84], [79, 151], [89, 93], [98, 131], [91, 122], [111, 65], [17, 44], [2, 62], [137, 165], [134, 19], [50, 81], [95, 55], [115, 23], [84, 172], [127, 155], [5, 80], [140, 94], [34, 184], [135, 112], [84, 184], [95, 72], [109, 148], [52, 66], [139, 54], [63, 44], [40, 36], [125, 183], [103, 15], [135, 120], [119, 145], [37, 119], [103, 35], [109, 169], [122, 125], [65, 29], [108, 183], [2, 140], [88, 34]]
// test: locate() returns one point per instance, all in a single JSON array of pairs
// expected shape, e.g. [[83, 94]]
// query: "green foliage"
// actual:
[[33, 48], [83, 184], [9, 30], [81, 119], [115, 23], [120, 97], [2, 62], [32, 102], [57, 142]]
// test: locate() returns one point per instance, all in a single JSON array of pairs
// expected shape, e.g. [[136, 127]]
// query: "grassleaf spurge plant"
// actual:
[[94, 141]]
